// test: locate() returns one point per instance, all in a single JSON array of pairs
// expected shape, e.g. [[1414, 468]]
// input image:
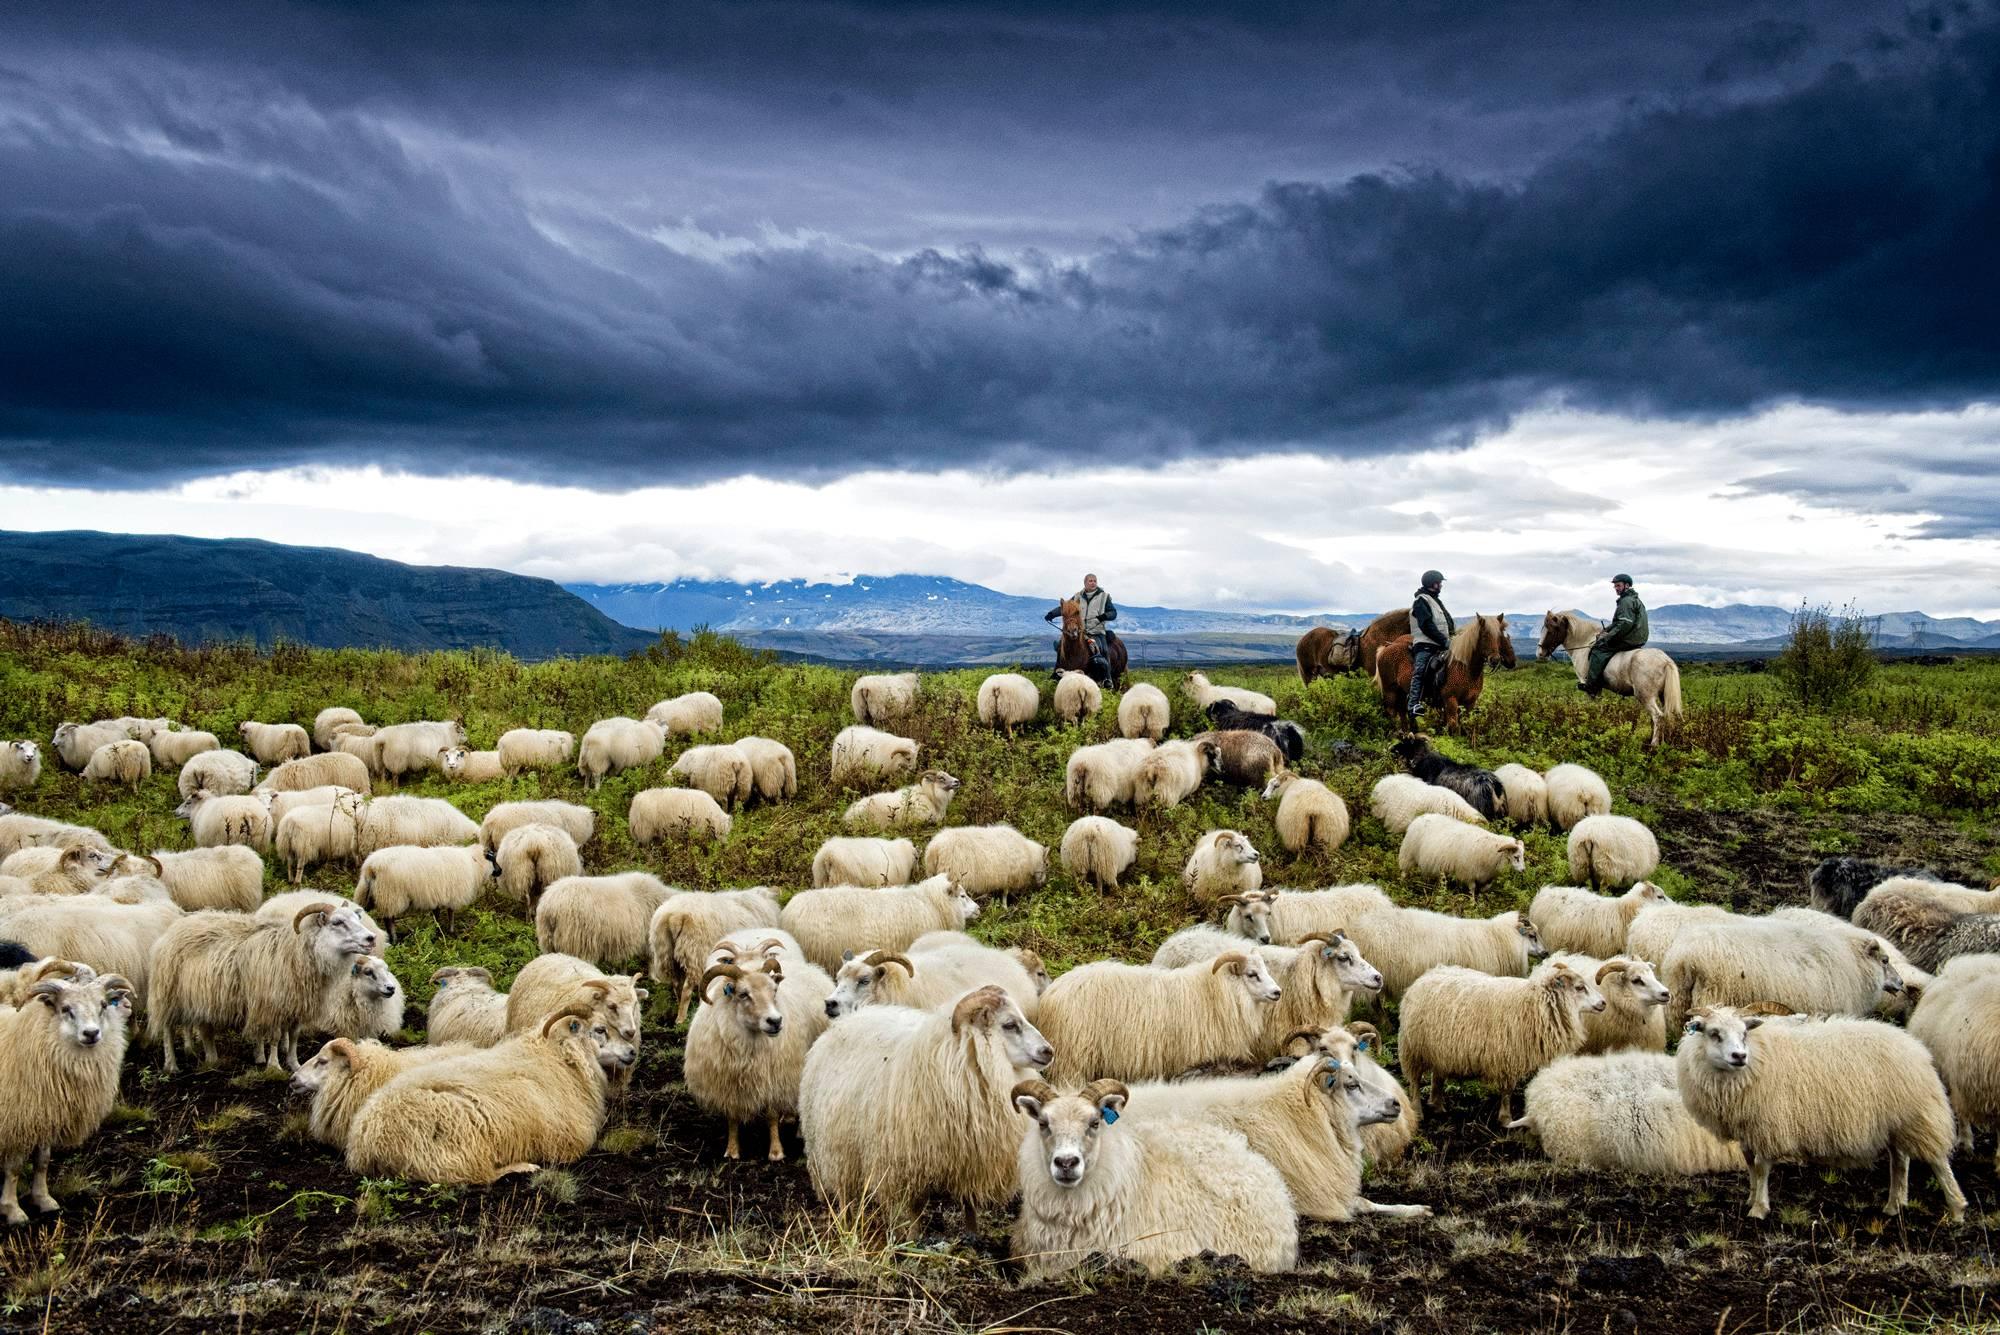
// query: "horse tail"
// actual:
[[1670, 690]]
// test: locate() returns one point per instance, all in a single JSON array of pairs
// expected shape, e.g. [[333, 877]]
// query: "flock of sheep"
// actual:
[[1203, 1101]]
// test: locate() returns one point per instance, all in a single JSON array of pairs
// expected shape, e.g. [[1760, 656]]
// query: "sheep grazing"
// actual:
[[686, 926], [1452, 850], [532, 858], [723, 772], [614, 745], [223, 773], [899, 1105], [829, 923], [922, 803], [1107, 1016], [1569, 917], [534, 748], [413, 748], [1621, 1112], [603, 919], [1171, 773], [579, 822], [1823, 967], [344, 1074], [863, 755], [1077, 697], [1245, 759], [1223, 863], [1574, 793], [1143, 712], [76, 743], [308, 836], [662, 813], [1481, 790], [332, 717], [1460, 1022], [229, 878], [1154, 1193], [1098, 850], [1925, 924], [1007, 700], [465, 1008], [127, 762], [177, 748], [275, 743], [20, 765], [858, 861], [1398, 799], [1101, 776], [1310, 815], [404, 879], [215, 821], [1289, 736], [1524, 795], [463, 766], [1958, 1019], [365, 1003], [987, 860], [333, 767], [1612, 850], [684, 715], [1840, 1091], [1838, 885], [430, 822], [747, 1046], [1406, 943], [1635, 1004], [884, 698], [936, 970], [63, 1050], [1204, 694], [774, 772]]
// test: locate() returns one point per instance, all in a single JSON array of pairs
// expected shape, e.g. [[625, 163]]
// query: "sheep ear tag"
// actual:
[[1362, 1046], [1693, 1027], [729, 989], [1110, 1115]]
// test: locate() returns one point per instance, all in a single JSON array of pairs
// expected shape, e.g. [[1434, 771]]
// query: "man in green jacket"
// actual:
[[1626, 631]]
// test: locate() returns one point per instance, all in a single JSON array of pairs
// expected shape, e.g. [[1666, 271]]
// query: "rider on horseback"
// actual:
[[1431, 629], [1628, 630], [1097, 609]]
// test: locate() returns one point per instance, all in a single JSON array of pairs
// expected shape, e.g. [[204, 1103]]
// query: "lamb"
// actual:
[[897, 1105], [282, 804], [579, 822], [1621, 1112], [365, 747], [1958, 1019], [1102, 776], [723, 772], [1155, 1193], [465, 1009], [367, 1002], [1574, 793], [686, 926], [119, 762], [1223, 863], [19, 831], [1172, 771], [413, 748], [1480, 788], [230, 877], [308, 836], [935, 971], [923, 803], [463, 766], [1077, 697], [330, 718], [603, 919], [614, 745], [404, 879], [333, 767], [111, 936], [1310, 815], [1143, 712], [345, 1074], [1822, 968], [852, 861], [884, 697], [223, 773], [830, 922], [987, 860], [1250, 702], [1406, 943], [1524, 795], [1098, 850], [63, 1051], [533, 858], [1838, 885], [1635, 1004], [1925, 925], [275, 743], [1462, 1022], [214, 821], [1246, 759], [1839, 1091], [1108, 1016], [20, 765], [534, 748], [1612, 850], [548, 983], [658, 813], [697, 711], [1570, 917], [863, 755], [1008, 700], [1289, 736], [429, 822], [1450, 849], [747, 1046], [774, 771], [1398, 799], [76, 743]]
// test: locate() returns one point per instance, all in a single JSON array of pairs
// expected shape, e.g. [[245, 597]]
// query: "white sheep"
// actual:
[[20, 765], [465, 1008], [832, 921], [686, 926], [47, 870], [1840, 1091], [1635, 1004], [1170, 773], [1525, 794], [697, 711], [333, 767], [603, 919], [532, 858], [329, 719], [414, 748], [310, 835], [723, 772], [282, 907], [365, 1002], [19, 830], [1098, 777], [747, 1044], [140, 729], [1008, 700], [1154, 1193], [884, 697], [578, 821], [214, 821], [1656, 926], [1570, 917], [1611, 850], [859, 861], [75, 743], [1574, 793], [534, 748], [346, 1073], [1958, 1019], [1112, 1017], [1224, 862], [1206, 694], [614, 745], [897, 1105], [987, 860], [1143, 712], [1319, 978], [1398, 799], [1076, 698], [1359, 1043], [660, 813], [773, 768], [427, 821], [1816, 964], [224, 773], [230, 878], [1405, 943], [1621, 1112], [552, 982], [863, 755], [935, 970], [1310, 815], [404, 879], [1460, 1022], [1449, 849], [282, 804], [125, 762], [463, 766], [1098, 850], [924, 802], [274, 743], [361, 745], [63, 1051], [177, 748], [1247, 922]]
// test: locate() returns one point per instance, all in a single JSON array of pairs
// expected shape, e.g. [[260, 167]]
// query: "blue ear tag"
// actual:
[[1110, 1116], [1693, 1026], [1362, 1046]]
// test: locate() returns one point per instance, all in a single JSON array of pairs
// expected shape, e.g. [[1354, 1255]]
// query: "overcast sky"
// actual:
[[1259, 312]]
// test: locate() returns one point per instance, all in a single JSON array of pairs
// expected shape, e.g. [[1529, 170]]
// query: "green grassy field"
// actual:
[[202, 1202]]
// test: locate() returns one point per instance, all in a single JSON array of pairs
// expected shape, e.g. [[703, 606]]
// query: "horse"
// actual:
[[1647, 675], [1378, 633], [1323, 651], [1073, 651], [1481, 640]]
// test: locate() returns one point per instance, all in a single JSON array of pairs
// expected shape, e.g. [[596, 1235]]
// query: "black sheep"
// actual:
[[1839, 885], [1477, 786], [1290, 737], [13, 955]]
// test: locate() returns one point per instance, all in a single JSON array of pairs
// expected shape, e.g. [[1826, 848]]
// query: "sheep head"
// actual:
[[864, 980], [1350, 970], [1872, 954], [86, 1010], [1281, 779], [1569, 987], [1254, 973], [1038, 972], [1723, 1033], [1234, 846], [751, 996], [989, 1010], [1528, 932], [1635, 976], [339, 1054], [1070, 1126]]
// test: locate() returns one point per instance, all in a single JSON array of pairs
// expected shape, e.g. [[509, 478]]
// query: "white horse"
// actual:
[[1647, 675]]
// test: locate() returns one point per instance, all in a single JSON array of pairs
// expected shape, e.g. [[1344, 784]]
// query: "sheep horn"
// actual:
[[1363, 1029], [48, 991], [882, 958], [310, 910], [718, 971], [1229, 899], [50, 967], [1233, 961], [1310, 1035], [345, 1047], [1041, 1091], [974, 1004], [1099, 1090], [1305, 941], [775, 967], [1607, 968], [600, 986], [159, 867], [566, 1013]]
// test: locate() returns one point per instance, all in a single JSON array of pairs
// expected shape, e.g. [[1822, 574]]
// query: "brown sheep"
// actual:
[[1246, 759]]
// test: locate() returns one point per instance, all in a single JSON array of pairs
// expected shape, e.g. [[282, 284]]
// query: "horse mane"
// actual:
[[1471, 636]]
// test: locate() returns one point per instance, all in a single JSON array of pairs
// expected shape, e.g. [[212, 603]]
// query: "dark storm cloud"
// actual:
[[228, 244]]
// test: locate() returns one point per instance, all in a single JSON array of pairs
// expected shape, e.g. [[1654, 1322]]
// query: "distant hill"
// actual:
[[203, 590]]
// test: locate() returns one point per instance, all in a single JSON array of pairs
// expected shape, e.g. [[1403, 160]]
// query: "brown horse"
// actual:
[[1481, 640], [1378, 633], [1324, 651], [1073, 651]]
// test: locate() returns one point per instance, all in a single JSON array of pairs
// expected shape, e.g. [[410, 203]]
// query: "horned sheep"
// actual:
[[1007, 700], [224, 773], [215, 821], [863, 755], [20, 765], [328, 720], [884, 697], [534, 748], [686, 926], [579, 822], [60, 871], [119, 762], [987, 859], [1143, 712], [774, 771], [1098, 850], [924, 802], [1224, 862], [532, 858], [1820, 965], [696, 711], [1310, 814], [1621, 1112], [1205, 694], [1570, 917], [463, 766], [1319, 978], [747, 1045], [548, 983], [934, 970], [1461, 1022], [1101, 776], [1106, 1016], [1574, 793], [660, 813], [723, 772], [177, 748], [839, 918], [345, 1073], [63, 1050], [230, 877], [1524, 794], [405, 879], [1958, 1019], [1398, 799], [465, 1008], [603, 919], [1172, 771], [1077, 697], [862, 861], [1405, 943], [614, 745], [1452, 850], [333, 767], [1635, 1004], [274, 743]]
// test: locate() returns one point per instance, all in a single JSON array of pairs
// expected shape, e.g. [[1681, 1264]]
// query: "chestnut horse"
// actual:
[[1378, 633], [1323, 651], [1073, 651], [1647, 675], [1479, 641]]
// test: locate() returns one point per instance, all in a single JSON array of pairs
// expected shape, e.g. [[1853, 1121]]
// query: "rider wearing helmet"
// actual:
[[1097, 609], [1431, 629]]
